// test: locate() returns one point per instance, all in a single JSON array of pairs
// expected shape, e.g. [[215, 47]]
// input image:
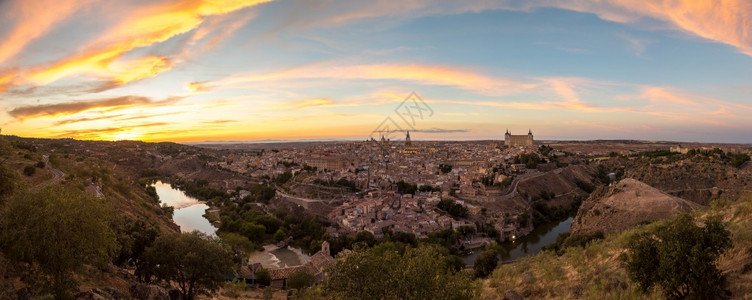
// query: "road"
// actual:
[[56, 174], [298, 200], [513, 187]]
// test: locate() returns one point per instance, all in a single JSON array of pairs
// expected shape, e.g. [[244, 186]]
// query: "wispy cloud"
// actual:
[[636, 45], [424, 74], [722, 21], [99, 132], [664, 94], [216, 122], [145, 26], [439, 130], [33, 19], [79, 120], [306, 103], [69, 108]]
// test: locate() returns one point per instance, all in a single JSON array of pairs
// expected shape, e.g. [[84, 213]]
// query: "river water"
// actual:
[[189, 215], [542, 235], [189, 211], [273, 257]]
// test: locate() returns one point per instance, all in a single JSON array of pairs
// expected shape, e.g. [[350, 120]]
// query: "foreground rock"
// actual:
[[626, 204]]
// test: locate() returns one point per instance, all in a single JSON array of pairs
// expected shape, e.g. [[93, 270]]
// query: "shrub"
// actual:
[[679, 256], [485, 263], [300, 279], [29, 170]]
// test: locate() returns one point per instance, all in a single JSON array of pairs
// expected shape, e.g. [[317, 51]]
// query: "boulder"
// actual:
[[512, 295], [148, 292]]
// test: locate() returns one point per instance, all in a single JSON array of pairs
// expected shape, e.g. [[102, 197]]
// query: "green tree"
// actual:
[[388, 273], [195, 261], [60, 229], [300, 279], [263, 277], [365, 238], [679, 256], [234, 288], [239, 245], [134, 237], [485, 263], [29, 170], [280, 234], [8, 181], [737, 160]]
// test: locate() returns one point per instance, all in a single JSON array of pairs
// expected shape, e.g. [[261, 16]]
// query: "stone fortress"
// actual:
[[518, 140]]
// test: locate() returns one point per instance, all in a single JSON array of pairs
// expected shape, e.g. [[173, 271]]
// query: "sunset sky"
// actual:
[[195, 71]]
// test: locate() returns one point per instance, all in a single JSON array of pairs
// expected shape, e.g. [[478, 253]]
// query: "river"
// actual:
[[189, 215], [273, 257], [189, 212], [542, 235]]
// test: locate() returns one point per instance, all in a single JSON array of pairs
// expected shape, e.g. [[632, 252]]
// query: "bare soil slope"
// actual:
[[626, 204]]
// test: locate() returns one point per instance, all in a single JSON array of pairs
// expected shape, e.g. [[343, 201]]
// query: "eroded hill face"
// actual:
[[625, 204], [697, 178], [596, 271]]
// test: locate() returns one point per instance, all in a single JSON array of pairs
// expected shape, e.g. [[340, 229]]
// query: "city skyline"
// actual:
[[197, 71]]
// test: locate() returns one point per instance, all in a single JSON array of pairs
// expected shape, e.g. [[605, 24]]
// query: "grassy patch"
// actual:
[[596, 272]]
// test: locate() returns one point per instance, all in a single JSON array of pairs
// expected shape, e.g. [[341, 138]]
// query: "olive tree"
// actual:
[[196, 262], [300, 279], [388, 271], [60, 229], [485, 263], [680, 257]]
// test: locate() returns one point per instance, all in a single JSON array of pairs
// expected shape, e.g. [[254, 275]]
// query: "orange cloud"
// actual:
[[726, 21], [661, 94], [144, 27], [34, 18], [693, 119], [424, 74], [306, 103], [69, 108], [130, 132]]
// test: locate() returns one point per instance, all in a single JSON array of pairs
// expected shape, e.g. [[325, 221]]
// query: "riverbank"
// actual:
[[277, 257], [543, 235], [189, 213]]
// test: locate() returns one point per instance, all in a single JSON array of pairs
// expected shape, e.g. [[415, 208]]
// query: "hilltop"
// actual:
[[89, 167], [625, 204]]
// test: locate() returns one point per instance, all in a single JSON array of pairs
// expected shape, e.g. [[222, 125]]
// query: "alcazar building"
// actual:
[[518, 140]]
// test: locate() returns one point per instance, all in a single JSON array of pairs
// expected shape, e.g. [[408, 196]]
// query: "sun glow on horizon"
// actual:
[[198, 70]]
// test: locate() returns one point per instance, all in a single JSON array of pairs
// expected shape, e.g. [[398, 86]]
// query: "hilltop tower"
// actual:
[[408, 143]]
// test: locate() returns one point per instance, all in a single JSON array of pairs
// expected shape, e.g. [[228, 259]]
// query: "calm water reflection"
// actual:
[[189, 211], [542, 235]]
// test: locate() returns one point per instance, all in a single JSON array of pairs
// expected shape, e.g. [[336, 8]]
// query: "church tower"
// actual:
[[529, 137], [408, 143], [325, 248]]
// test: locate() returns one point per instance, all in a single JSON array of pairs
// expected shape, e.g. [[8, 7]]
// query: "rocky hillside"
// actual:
[[625, 204], [557, 193], [596, 272], [698, 178]]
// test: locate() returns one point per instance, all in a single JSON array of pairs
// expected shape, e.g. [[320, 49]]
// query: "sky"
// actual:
[[205, 71]]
